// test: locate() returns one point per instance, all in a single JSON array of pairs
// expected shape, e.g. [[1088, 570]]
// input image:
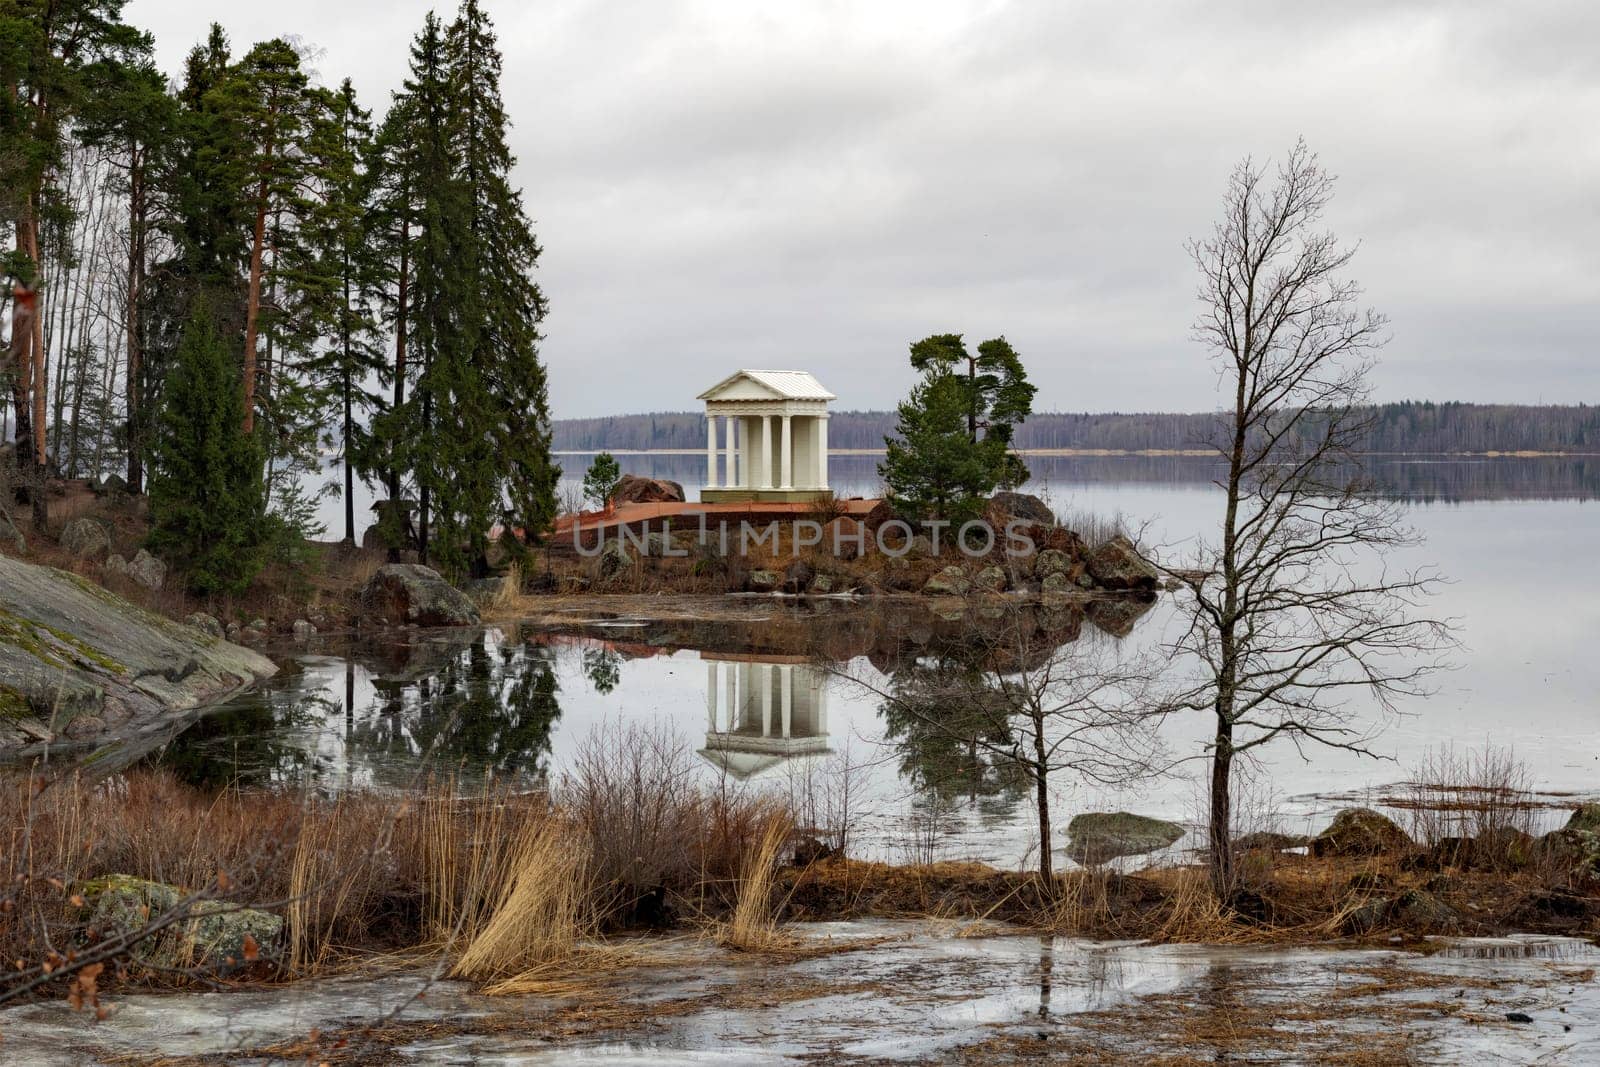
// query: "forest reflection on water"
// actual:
[[518, 703]]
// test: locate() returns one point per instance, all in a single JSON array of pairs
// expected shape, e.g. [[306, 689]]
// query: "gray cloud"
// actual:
[[725, 184]]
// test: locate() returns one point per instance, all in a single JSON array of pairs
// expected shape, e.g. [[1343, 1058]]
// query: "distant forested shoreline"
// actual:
[[1419, 426]]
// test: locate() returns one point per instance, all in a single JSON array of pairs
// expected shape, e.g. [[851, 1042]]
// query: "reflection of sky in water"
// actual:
[[1525, 591]]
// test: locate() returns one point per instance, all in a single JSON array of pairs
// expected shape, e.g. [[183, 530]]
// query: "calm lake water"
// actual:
[[1516, 537]]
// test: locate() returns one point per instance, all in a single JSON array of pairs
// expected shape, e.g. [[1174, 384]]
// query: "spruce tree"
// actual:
[[340, 256], [205, 483], [933, 469], [475, 430]]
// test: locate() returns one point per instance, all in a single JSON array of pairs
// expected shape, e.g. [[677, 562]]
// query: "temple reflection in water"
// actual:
[[763, 712]]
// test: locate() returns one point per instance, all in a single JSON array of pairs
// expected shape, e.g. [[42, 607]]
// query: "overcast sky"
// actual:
[[814, 185]]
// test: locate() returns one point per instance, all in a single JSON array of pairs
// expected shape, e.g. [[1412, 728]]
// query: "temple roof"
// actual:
[[768, 385]]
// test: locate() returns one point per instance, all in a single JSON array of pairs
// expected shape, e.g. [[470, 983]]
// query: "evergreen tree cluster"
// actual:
[[369, 283], [953, 443]]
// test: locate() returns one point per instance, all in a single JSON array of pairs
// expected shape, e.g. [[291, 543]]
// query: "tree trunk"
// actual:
[[395, 512], [349, 475], [41, 383], [135, 360], [253, 307], [1041, 780], [1220, 829]]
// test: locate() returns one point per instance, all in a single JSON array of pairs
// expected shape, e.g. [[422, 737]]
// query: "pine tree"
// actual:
[[600, 480], [206, 505]]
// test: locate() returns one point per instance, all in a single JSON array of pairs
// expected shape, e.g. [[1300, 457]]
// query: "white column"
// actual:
[[786, 692], [711, 451], [729, 681], [764, 475], [764, 672], [822, 452], [732, 479], [747, 448], [711, 692], [788, 455]]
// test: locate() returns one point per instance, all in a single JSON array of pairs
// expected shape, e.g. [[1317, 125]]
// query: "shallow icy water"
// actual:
[[923, 995]]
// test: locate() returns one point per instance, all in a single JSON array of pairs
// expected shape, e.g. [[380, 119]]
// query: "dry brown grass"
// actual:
[[753, 926], [540, 911]]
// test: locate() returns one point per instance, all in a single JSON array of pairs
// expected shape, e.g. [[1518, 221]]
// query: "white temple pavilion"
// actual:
[[774, 438]]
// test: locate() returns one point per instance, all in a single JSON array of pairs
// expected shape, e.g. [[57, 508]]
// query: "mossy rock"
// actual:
[[1098, 836], [212, 935], [1586, 819], [952, 581], [1360, 832]]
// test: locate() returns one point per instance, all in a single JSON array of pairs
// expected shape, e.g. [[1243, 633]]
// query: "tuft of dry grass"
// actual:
[[753, 926], [542, 909]]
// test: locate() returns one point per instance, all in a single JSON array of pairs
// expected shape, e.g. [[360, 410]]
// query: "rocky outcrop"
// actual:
[[411, 594], [1098, 836], [86, 539], [1117, 565], [78, 663], [633, 489], [1023, 506], [1360, 832]]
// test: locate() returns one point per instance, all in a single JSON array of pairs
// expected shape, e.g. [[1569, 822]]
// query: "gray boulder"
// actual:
[[614, 560], [71, 649], [1098, 836], [206, 624], [1055, 584], [411, 594], [991, 579], [86, 539], [1051, 561], [821, 584], [1270, 841], [764, 580], [1118, 565], [952, 581], [148, 571], [304, 630]]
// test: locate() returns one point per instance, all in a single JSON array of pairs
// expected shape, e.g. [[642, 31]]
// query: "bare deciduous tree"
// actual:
[[1048, 708], [1295, 611]]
